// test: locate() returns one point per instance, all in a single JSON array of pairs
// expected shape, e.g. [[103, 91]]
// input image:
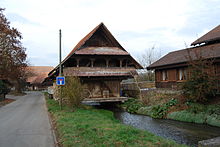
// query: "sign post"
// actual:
[[60, 80]]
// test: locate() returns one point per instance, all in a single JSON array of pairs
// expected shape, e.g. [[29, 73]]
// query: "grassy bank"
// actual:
[[198, 113], [171, 106], [91, 127]]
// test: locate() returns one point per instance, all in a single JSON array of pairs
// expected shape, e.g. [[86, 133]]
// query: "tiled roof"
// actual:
[[39, 73], [182, 56], [213, 35]]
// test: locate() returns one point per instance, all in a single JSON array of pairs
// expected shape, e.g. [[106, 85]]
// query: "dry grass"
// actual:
[[156, 97]]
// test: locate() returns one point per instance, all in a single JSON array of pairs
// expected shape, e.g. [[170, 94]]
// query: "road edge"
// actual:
[[56, 143]]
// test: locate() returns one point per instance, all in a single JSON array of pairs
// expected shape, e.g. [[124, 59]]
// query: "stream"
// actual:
[[180, 132]]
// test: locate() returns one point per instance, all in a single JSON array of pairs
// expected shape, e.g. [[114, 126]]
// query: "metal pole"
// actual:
[[60, 74], [60, 69]]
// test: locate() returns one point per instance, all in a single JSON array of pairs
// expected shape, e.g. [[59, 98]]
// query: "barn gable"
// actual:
[[99, 42]]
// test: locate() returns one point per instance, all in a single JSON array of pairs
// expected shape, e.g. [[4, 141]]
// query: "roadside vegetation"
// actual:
[[87, 126], [71, 94]]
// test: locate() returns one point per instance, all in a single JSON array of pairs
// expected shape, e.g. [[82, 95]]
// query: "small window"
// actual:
[[164, 75], [182, 74]]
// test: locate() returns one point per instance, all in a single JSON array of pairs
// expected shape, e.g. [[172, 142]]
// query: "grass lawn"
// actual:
[[92, 127]]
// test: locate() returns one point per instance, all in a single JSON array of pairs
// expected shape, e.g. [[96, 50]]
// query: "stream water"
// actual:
[[181, 132]]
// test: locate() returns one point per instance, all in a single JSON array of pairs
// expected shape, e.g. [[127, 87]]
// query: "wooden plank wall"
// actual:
[[98, 88]]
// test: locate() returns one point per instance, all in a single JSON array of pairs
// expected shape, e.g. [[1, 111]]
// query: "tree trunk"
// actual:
[[18, 86]]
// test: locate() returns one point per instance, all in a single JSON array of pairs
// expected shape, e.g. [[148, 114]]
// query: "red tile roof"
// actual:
[[182, 56], [213, 35], [39, 73]]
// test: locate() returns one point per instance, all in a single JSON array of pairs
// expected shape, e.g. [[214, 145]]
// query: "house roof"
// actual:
[[39, 73], [182, 56], [213, 35]]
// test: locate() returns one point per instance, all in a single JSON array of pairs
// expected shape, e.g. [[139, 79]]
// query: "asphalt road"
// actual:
[[25, 122]]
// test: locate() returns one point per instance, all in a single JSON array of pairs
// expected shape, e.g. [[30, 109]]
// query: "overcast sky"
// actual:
[[136, 24]]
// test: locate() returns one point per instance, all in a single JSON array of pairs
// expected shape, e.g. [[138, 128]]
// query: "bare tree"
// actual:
[[149, 56]]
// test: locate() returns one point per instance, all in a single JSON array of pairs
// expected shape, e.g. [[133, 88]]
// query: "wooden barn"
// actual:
[[100, 62], [173, 67]]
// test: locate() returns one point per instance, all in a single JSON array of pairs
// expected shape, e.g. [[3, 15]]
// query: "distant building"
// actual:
[[100, 62], [171, 69], [38, 74]]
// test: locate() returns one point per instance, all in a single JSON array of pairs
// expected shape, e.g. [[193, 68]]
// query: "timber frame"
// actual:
[[100, 62]]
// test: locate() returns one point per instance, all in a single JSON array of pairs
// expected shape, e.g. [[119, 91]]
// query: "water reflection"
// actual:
[[181, 132]]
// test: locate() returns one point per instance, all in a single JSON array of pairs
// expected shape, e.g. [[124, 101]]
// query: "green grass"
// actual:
[[198, 113], [99, 128]]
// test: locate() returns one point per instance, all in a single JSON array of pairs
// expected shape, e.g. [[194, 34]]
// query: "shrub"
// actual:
[[201, 84], [72, 92], [3, 89], [160, 111], [132, 105]]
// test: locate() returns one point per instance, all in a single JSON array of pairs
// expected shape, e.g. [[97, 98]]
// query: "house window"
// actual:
[[182, 74], [164, 75]]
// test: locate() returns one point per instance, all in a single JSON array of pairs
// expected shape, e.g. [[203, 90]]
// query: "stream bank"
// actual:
[[175, 110], [180, 132]]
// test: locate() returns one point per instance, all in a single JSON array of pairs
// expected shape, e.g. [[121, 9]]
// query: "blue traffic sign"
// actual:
[[60, 80]]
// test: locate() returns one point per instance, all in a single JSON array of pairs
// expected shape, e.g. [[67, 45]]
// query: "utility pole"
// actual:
[[60, 69]]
